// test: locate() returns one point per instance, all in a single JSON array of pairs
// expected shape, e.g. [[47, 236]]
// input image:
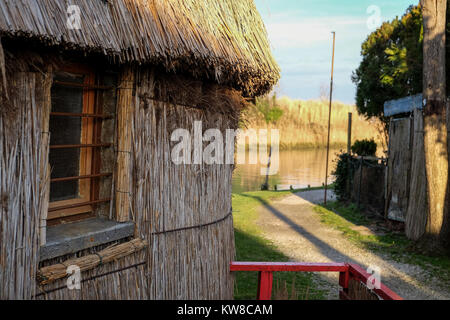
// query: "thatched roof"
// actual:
[[221, 40]]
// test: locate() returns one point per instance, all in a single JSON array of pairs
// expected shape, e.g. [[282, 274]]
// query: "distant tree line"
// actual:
[[392, 64]]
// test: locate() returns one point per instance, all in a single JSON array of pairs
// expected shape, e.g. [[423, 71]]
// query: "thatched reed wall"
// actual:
[[183, 212], [190, 263], [23, 94], [224, 40]]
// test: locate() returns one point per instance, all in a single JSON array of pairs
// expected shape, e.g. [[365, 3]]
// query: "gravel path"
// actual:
[[295, 228]]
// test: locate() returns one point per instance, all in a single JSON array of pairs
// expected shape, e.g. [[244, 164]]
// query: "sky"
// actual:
[[301, 41]]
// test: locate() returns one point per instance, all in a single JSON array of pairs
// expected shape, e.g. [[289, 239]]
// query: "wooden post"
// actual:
[[349, 151], [44, 169], [361, 163], [265, 186], [349, 134], [124, 118], [416, 214]]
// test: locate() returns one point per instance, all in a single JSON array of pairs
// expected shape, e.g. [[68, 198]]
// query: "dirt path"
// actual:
[[293, 225]]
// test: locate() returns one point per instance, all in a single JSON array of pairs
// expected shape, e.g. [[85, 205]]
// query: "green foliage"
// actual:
[[365, 147], [344, 217], [346, 166], [251, 245], [343, 172], [268, 107], [391, 67]]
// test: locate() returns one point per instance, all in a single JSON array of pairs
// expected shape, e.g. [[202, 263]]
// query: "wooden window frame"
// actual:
[[90, 158]]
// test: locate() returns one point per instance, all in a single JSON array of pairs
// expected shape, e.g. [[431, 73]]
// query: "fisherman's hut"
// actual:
[[92, 206]]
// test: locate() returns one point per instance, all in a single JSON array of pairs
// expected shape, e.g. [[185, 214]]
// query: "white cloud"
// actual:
[[309, 33]]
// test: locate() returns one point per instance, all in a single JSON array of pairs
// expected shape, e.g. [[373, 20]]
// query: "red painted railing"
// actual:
[[346, 271]]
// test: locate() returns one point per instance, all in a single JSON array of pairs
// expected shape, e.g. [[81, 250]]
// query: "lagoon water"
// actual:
[[298, 168]]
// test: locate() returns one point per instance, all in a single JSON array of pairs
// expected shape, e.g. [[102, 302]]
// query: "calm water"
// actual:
[[298, 168]]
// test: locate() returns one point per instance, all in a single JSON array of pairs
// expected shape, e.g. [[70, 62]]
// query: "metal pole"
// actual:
[[329, 117], [349, 151]]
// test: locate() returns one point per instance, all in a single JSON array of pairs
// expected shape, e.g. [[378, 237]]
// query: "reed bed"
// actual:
[[303, 124], [222, 40]]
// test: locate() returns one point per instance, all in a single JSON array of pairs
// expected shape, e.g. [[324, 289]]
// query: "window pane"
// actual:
[[64, 163], [65, 130]]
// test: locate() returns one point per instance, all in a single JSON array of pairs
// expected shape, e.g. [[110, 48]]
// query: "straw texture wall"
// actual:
[[220, 40], [182, 212], [23, 94], [184, 263], [122, 279]]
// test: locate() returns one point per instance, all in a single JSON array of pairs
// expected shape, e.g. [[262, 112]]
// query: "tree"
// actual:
[[391, 65], [435, 122]]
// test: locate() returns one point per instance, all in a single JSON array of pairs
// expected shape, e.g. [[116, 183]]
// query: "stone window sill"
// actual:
[[73, 237]]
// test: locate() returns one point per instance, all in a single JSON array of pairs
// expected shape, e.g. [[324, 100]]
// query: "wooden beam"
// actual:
[[404, 105], [44, 169]]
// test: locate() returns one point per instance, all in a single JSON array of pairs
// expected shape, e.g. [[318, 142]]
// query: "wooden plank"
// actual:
[[125, 112], [98, 175], [76, 205], [81, 146], [416, 215], [68, 212], [404, 105], [399, 164]]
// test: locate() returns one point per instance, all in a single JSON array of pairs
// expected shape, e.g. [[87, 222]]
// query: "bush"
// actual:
[[344, 170], [365, 147], [268, 107]]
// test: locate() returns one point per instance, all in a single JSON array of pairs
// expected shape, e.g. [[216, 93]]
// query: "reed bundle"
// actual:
[[124, 118], [54, 272], [123, 278], [222, 40], [20, 184]]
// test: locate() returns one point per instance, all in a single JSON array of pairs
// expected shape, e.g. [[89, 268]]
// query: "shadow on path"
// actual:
[[402, 287]]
